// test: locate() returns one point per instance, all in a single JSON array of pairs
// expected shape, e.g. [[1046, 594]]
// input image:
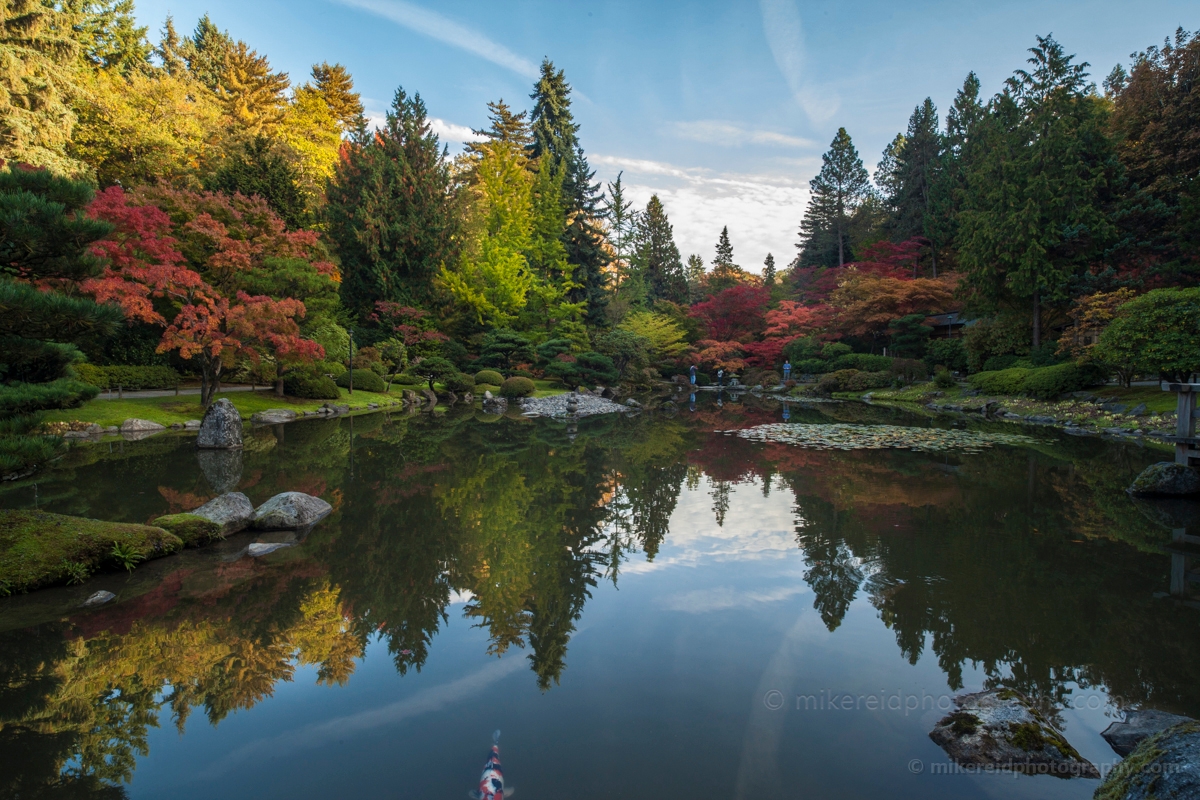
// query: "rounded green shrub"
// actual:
[[517, 386], [363, 379], [459, 384], [942, 378], [489, 376], [333, 368], [310, 384]]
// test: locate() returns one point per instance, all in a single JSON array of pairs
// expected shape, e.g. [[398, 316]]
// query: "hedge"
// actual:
[[489, 376], [1044, 383], [363, 379], [864, 362], [517, 387], [128, 378]]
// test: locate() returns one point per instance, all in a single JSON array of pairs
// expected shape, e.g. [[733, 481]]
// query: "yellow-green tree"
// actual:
[[311, 130], [253, 95]]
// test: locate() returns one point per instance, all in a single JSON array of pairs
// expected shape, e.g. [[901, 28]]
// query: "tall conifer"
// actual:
[[838, 190], [656, 258]]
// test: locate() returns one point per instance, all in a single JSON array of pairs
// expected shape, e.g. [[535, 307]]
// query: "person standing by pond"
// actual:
[[692, 371], [787, 370], [721, 378]]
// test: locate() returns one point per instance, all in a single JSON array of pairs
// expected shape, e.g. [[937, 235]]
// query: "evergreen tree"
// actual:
[[44, 235], [392, 211], [555, 137], [38, 57], [622, 222], [335, 85], [725, 273], [506, 127], [887, 173], [769, 271], [205, 53], [838, 190], [655, 256], [958, 149], [917, 166], [695, 274], [108, 34], [1039, 190], [169, 50], [261, 169]]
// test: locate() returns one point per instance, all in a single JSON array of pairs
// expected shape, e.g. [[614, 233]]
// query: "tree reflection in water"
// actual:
[[1029, 563]]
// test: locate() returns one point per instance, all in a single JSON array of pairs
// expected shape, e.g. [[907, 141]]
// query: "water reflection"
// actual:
[[1030, 563]]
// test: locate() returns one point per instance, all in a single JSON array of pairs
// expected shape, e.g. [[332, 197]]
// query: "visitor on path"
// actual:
[[693, 373], [721, 378], [787, 371]]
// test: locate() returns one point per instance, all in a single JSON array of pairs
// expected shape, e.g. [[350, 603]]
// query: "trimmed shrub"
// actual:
[[129, 378], [408, 379], [862, 381], [1047, 383], [521, 373], [768, 380], [310, 385], [363, 379], [459, 384], [333, 368], [864, 362], [835, 381], [942, 378], [1005, 381], [517, 386], [489, 376], [950, 353], [810, 366], [997, 363]]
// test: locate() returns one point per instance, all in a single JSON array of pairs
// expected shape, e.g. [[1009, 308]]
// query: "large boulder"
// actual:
[[1165, 766], [221, 428], [233, 511], [273, 416], [222, 469], [1170, 512], [1001, 729], [290, 510], [1123, 737], [1166, 479], [141, 426]]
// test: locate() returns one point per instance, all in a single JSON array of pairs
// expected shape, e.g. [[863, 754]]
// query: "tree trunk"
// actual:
[[841, 248], [1037, 319], [279, 386], [933, 258]]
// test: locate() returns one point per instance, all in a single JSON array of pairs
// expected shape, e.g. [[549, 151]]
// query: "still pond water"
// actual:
[[650, 607]]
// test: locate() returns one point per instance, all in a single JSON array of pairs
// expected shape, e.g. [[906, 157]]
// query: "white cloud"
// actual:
[[450, 132], [435, 26], [785, 35], [730, 134], [721, 598], [762, 211]]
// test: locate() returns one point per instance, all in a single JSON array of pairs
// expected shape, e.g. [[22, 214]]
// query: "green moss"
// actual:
[[193, 530], [1120, 780], [962, 723], [1033, 737], [39, 549]]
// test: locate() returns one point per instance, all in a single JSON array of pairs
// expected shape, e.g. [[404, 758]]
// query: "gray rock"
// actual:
[[1170, 512], [487, 394], [112, 429], [372, 405], [273, 416], [430, 397], [98, 599], [1166, 479], [1001, 729], [176, 426], [141, 426], [290, 510], [633, 403], [1138, 411], [221, 428], [1165, 766], [233, 511], [1042, 420], [1123, 737], [222, 468], [1115, 408], [191, 425], [262, 548]]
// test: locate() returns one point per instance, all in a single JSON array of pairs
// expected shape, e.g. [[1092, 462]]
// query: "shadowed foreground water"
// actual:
[[649, 607]]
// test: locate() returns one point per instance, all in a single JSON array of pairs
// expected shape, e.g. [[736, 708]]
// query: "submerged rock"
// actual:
[[273, 416], [1165, 766], [1166, 479], [98, 599], [290, 510], [1123, 737], [221, 428], [262, 548], [1000, 728], [233, 511]]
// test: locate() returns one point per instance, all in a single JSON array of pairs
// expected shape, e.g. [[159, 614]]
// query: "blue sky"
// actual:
[[723, 109]]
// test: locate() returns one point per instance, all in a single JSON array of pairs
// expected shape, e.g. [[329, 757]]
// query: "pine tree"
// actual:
[[887, 172], [108, 34], [169, 50], [555, 137], [1035, 211], [259, 168], [392, 211], [335, 85], [656, 258], [769, 271], [38, 58], [958, 152], [506, 127], [917, 167], [838, 190], [206, 52], [253, 95], [44, 235], [695, 274], [725, 273], [622, 222]]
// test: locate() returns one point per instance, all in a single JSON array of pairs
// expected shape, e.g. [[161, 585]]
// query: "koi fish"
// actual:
[[491, 782]]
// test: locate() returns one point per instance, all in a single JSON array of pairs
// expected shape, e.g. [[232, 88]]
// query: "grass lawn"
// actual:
[[166, 410], [1157, 401]]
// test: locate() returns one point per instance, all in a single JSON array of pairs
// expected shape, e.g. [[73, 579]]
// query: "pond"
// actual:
[[646, 607]]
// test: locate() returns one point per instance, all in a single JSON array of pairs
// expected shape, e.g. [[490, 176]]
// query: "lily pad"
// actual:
[[846, 436]]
